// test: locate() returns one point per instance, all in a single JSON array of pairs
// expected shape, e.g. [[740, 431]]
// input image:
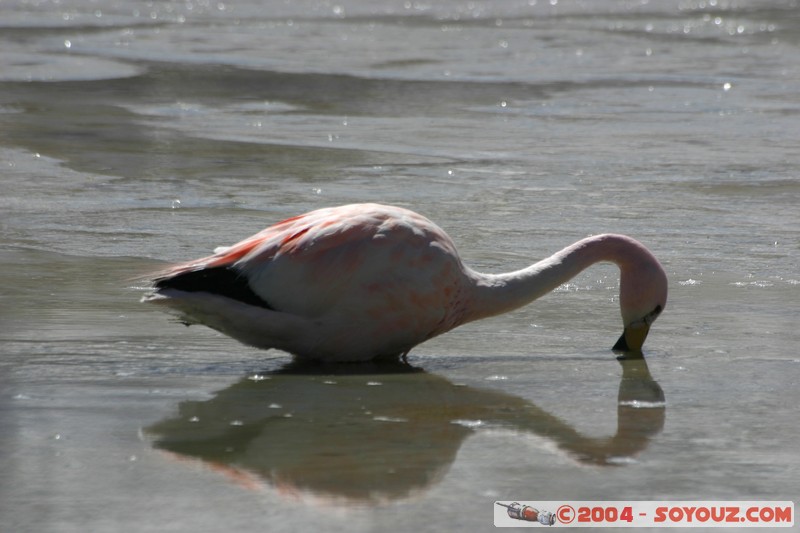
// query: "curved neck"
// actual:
[[498, 293]]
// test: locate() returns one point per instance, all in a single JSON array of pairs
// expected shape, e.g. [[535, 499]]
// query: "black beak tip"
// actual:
[[621, 345], [624, 350]]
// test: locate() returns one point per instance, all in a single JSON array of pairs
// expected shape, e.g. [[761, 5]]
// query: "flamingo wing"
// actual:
[[366, 277]]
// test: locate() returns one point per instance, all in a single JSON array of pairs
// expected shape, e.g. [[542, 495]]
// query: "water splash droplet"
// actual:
[[467, 423]]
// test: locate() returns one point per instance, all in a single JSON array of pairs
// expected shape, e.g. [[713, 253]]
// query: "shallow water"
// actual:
[[140, 132]]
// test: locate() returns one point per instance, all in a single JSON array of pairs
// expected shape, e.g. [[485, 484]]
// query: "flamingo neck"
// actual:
[[498, 293]]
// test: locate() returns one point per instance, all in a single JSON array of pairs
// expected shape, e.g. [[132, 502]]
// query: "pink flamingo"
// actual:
[[365, 281]]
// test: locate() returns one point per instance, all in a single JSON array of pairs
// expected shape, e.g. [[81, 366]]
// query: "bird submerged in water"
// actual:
[[366, 281]]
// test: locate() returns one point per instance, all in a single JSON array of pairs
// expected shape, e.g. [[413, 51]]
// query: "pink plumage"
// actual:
[[366, 281]]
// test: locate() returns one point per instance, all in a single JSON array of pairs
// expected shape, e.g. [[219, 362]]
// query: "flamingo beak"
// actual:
[[632, 338]]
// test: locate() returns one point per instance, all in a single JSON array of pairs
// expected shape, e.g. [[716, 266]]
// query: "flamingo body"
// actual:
[[366, 281]]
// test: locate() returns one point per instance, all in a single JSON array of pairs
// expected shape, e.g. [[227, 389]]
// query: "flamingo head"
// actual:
[[643, 295], [635, 333]]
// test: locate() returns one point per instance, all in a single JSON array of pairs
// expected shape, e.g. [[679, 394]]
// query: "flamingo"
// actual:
[[369, 281]]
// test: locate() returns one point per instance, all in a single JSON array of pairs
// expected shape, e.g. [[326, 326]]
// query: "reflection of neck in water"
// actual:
[[379, 432]]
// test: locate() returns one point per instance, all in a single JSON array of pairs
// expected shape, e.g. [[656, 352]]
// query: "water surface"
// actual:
[[137, 132]]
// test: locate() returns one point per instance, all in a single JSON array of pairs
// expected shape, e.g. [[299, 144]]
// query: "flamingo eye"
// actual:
[[652, 315]]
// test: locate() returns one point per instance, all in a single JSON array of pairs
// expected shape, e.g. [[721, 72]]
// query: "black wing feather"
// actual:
[[224, 281]]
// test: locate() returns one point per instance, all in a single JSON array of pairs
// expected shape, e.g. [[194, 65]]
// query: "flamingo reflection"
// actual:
[[378, 432]]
